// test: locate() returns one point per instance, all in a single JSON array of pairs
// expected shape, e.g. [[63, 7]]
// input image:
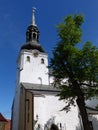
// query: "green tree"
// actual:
[[75, 70]]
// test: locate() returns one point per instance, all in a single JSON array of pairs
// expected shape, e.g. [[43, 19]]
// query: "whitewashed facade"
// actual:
[[43, 106]]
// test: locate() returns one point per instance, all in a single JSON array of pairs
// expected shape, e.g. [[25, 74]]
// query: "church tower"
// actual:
[[32, 60], [35, 105]]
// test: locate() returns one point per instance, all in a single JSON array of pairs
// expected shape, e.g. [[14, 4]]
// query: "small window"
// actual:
[[28, 58], [42, 61], [34, 35]]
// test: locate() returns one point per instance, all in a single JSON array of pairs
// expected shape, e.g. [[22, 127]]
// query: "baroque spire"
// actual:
[[33, 22], [32, 35]]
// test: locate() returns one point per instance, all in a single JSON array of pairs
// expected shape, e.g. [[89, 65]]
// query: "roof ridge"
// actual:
[[2, 118]]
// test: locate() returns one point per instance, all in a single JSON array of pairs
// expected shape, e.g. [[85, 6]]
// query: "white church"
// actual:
[[35, 105]]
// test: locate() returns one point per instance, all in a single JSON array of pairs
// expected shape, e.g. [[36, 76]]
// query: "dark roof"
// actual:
[[91, 110], [32, 47], [2, 118], [42, 89], [32, 28]]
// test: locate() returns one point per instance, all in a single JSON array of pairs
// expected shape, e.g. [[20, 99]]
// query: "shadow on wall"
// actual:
[[78, 127], [95, 122]]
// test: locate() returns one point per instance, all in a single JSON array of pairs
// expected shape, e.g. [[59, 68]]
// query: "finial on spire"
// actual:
[[33, 16]]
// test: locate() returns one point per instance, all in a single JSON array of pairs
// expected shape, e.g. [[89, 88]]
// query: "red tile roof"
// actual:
[[8, 125], [2, 118]]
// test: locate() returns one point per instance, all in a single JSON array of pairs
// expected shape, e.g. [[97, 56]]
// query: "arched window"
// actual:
[[34, 35], [28, 58], [40, 80], [54, 127], [42, 61]]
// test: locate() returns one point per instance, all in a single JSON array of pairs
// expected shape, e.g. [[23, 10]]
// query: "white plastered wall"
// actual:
[[48, 107], [34, 71], [16, 109]]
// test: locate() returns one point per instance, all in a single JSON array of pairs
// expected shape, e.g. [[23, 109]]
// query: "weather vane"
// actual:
[[33, 9]]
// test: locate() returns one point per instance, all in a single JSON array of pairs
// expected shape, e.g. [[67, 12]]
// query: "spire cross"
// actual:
[[33, 16]]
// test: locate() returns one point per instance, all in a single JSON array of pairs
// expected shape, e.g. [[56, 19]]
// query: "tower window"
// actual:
[[34, 35], [42, 61], [28, 58]]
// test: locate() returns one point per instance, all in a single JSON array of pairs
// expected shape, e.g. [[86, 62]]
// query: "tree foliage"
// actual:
[[75, 69], [71, 63]]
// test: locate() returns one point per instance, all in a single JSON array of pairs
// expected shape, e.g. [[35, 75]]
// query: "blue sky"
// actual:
[[15, 16]]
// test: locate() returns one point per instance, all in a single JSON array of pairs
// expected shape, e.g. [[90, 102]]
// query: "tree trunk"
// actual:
[[81, 104], [84, 116]]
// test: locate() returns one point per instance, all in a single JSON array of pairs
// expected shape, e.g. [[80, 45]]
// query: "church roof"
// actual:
[[33, 45], [2, 118], [91, 110], [38, 88]]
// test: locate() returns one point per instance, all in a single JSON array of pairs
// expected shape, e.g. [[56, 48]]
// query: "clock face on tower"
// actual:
[[35, 53]]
